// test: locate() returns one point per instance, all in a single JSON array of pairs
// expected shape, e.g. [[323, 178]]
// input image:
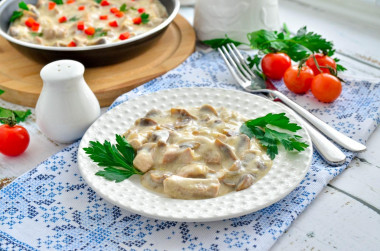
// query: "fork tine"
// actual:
[[233, 64], [242, 60], [239, 63], [230, 67]]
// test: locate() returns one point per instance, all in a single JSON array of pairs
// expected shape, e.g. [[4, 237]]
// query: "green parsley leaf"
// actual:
[[279, 120], [340, 67], [74, 18], [123, 7], [118, 159], [144, 18], [16, 15], [99, 32], [57, 1], [19, 115], [23, 5], [219, 42], [270, 138], [133, 8], [298, 47], [36, 34], [115, 174], [1, 91]]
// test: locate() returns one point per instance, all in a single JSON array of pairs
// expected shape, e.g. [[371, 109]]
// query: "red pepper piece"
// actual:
[[29, 22], [104, 3], [62, 19], [105, 17], [70, 1], [137, 20], [80, 25], [35, 26], [124, 35], [141, 10], [119, 14], [81, 8], [52, 5], [71, 44], [114, 10], [113, 24], [90, 31]]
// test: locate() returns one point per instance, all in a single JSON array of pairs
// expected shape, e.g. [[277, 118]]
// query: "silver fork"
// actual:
[[245, 77]]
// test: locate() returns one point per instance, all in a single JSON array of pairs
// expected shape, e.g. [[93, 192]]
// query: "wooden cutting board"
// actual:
[[20, 76]]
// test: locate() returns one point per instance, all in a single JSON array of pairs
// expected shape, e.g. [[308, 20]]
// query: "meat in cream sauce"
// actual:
[[86, 22], [196, 153]]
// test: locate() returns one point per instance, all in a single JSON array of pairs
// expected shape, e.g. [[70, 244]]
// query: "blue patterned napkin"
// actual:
[[51, 207]]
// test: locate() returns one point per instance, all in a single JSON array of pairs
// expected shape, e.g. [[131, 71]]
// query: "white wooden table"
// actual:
[[346, 215]]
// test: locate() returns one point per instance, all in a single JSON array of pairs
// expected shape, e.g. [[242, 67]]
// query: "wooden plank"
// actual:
[[334, 221], [361, 178]]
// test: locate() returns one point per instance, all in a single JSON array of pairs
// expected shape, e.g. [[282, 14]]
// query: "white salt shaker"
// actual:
[[66, 106], [215, 18]]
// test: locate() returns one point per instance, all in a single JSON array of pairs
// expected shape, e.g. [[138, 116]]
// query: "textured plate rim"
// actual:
[[184, 218]]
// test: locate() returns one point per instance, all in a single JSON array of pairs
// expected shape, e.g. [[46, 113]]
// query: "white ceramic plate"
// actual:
[[287, 172]]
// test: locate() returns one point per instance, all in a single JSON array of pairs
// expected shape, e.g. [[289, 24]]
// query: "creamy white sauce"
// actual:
[[196, 153], [51, 32]]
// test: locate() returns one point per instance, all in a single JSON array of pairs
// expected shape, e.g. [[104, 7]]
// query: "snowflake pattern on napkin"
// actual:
[[51, 207]]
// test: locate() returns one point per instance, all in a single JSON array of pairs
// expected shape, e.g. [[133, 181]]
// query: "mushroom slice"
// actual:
[[241, 143], [189, 188], [246, 181], [158, 176], [190, 144], [193, 171], [160, 136], [145, 122], [248, 157], [226, 149], [153, 113], [230, 178], [181, 123], [230, 133], [28, 13], [101, 40], [181, 114], [208, 109], [143, 161], [236, 166]]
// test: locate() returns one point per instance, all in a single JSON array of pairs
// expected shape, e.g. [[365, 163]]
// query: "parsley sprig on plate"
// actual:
[[269, 137], [117, 159]]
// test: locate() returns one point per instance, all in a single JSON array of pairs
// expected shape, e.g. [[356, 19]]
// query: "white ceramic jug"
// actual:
[[66, 106], [216, 18]]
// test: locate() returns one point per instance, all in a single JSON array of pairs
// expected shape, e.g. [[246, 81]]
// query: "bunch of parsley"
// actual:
[[18, 115], [298, 47]]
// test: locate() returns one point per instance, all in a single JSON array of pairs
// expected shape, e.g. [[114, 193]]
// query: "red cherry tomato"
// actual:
[[323, 61], [326, 87], [298, 81], [13, 140], [274, 65]]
